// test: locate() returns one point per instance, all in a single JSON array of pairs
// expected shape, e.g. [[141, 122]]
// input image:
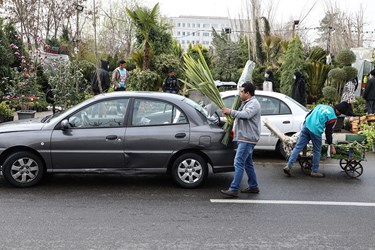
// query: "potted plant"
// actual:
[[23, 87], [6, 113]]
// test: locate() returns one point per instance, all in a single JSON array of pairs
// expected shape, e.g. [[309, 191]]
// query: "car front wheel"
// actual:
[[23, 169], [189, 170]]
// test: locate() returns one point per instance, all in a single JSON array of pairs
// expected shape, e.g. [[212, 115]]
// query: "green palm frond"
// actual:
[[199, 77]]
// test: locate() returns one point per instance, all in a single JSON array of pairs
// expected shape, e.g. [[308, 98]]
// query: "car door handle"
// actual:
[[180, 135], [286, 122], [111, 137]]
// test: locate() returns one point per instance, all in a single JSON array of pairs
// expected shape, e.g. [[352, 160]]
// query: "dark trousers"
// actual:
[[370, 106]]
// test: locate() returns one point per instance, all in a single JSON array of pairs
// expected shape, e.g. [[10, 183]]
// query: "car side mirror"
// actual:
[[65, 124]]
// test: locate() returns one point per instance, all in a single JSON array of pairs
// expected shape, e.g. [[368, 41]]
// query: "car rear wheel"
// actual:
[[281, 150], [23, 169], [189, 170]]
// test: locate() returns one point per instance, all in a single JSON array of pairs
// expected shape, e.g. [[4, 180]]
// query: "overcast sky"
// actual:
[[310, 11]]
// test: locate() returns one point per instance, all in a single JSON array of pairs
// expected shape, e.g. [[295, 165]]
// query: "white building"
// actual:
[[196, 29]]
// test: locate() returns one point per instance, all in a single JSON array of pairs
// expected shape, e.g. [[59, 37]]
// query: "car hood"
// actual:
[[21, 125]]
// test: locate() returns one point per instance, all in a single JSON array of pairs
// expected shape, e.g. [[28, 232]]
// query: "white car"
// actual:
[[281, 110]]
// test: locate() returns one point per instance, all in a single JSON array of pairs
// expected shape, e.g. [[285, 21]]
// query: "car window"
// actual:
[[108, 113], [272, 106], [228, 102], [154, 112]]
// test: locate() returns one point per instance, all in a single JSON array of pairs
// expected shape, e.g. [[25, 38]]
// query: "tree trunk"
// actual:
[[146, 56]]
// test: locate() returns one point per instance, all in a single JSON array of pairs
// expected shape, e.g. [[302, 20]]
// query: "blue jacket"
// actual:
[[321, 118]]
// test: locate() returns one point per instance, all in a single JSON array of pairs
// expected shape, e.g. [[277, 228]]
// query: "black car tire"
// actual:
[[281, 151], [23, 169], [189, 170]]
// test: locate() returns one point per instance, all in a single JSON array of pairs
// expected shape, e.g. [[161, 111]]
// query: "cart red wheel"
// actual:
[[306, 164], [354, 169], [343, 163]]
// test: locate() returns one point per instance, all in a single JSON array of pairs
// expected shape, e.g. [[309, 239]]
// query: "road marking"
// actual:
[[288, 202]]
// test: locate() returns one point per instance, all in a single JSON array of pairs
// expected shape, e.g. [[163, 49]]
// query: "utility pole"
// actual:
[[329, 40], [295, 23], [96, 50], [79, 9]]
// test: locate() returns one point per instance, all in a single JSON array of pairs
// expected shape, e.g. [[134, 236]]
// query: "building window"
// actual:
[[206, 25], [178, 24], [188, 25], [198, 25], [193, 25], [183, 33], [193, 33], [183, 25], [206, 34], [178, 33]]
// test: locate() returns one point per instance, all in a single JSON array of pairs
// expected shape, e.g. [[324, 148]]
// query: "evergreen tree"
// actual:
[[228, 57], [293, 59], [6, 54]]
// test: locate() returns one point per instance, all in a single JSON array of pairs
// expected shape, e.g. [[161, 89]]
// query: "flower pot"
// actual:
[[26, 114]]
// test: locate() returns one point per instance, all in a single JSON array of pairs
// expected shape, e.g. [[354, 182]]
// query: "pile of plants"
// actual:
[[353, 150], [368, 129]]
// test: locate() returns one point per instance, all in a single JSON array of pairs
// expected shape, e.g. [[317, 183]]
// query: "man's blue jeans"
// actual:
[[244, 162], [303, 139]]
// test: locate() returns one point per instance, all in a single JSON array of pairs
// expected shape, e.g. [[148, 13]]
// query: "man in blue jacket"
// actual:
[[321, 119], [247, 126]]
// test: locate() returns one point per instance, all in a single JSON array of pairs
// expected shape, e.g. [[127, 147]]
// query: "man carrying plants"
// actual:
[[247, 126]]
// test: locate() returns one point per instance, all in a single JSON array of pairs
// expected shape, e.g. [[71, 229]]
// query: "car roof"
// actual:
[[220, 83], [278, 95], [150, 94], [257, 92]]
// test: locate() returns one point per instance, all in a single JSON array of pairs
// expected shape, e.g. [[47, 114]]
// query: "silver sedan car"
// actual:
[[281, 110], [119, 132]]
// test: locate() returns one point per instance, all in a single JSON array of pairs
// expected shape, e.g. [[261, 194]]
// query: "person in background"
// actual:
[[119, 77], [299, 88], [103, 80], [369, 93], [246, 128], [348, 92], [171, 84], [321, 119], [268, 81]]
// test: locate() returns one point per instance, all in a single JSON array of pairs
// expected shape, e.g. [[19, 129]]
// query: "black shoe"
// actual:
[[287, 171], [317, 174], [230, 193], [250, 190]]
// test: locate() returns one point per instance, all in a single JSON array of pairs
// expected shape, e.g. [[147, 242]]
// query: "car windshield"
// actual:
[[197, 107], [297, 103], [48, 118]]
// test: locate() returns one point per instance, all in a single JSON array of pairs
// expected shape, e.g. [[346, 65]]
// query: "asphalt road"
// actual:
[[149, 212]]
